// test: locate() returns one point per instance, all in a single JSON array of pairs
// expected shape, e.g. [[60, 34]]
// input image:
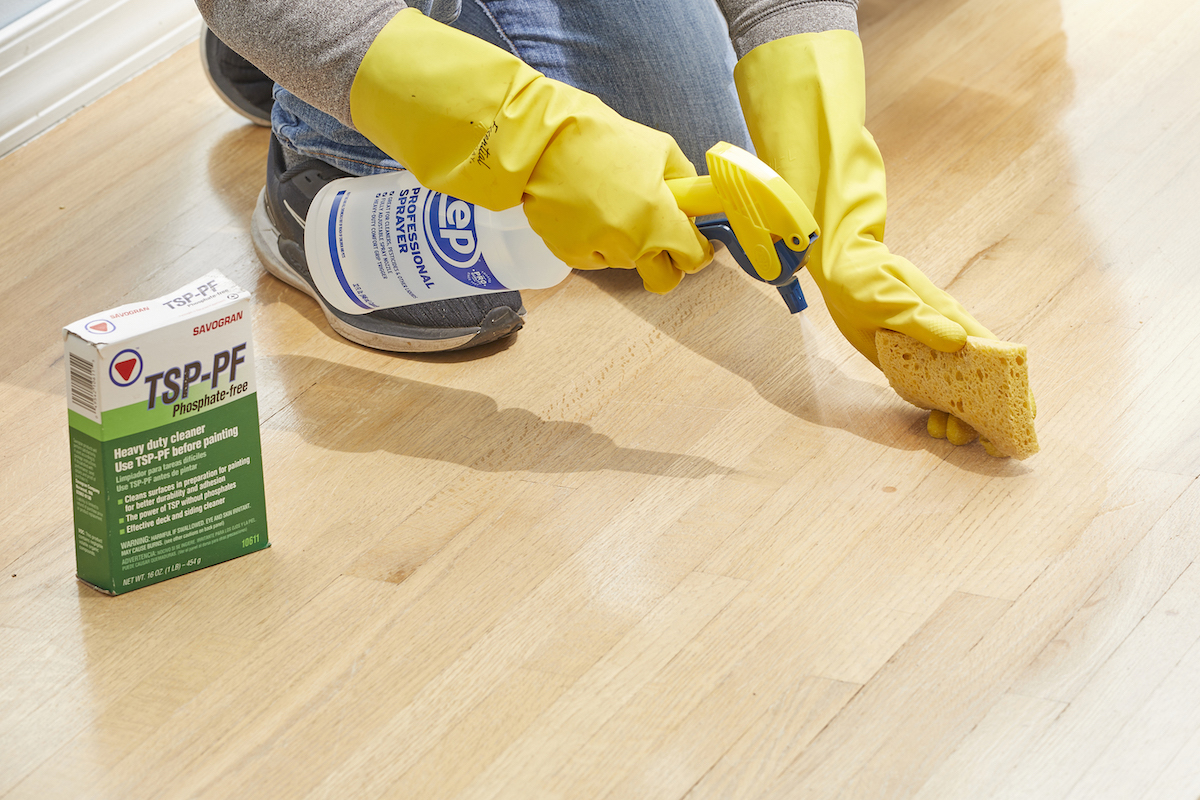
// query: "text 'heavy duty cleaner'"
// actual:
[[166, 462]]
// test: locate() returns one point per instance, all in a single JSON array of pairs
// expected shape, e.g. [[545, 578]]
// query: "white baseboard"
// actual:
[[67, 53]]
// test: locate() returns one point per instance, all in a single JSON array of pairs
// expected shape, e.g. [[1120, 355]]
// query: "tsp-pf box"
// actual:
[[166, 461]]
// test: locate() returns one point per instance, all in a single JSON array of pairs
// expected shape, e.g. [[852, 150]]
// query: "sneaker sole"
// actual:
[[498, 323]]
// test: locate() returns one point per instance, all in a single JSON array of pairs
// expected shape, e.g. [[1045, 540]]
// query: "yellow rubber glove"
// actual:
[[805, 104], [473, 121]]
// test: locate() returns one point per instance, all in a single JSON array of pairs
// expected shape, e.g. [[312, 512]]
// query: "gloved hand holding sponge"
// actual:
[[804, 99], [473, 121]]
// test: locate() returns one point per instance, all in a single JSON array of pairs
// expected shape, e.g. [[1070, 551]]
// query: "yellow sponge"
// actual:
[[986, 385]]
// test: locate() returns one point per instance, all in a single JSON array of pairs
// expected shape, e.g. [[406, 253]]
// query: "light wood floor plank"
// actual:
[[1181, 779], [1023, 629], [839, 758], [1104, 622], [997, 744], [1155, 735], [1109, 703]]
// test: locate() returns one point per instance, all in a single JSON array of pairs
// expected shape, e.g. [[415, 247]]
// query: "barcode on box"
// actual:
[[82, 387]]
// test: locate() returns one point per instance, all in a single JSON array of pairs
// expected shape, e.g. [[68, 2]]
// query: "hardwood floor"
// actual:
[[681, 547]]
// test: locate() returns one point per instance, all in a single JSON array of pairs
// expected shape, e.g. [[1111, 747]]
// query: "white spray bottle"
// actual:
[[385, 240]]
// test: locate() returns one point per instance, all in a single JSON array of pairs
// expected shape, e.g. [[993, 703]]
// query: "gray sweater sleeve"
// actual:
[[755, 22]]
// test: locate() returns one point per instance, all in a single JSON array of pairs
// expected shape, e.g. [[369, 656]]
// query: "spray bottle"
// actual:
[[384, 241]]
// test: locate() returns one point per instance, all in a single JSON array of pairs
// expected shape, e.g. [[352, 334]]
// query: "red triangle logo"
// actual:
[[126, 368]]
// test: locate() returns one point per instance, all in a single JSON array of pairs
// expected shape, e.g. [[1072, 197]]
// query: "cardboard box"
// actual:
[[166, 460]]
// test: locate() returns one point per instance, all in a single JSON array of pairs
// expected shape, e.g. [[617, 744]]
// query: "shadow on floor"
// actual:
[[349, 409]]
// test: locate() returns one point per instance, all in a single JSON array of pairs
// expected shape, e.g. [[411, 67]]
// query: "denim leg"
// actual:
[[311, 133], [668, 65]]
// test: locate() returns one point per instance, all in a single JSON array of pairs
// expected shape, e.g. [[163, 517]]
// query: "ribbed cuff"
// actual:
[[762, 22]]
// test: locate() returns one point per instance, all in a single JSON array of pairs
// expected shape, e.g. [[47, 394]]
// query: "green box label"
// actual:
[[170, 500]]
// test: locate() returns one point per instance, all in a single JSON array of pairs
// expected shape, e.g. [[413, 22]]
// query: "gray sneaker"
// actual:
[[243, 86], [278, 232]]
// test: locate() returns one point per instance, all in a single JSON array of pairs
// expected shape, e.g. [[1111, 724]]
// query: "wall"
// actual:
[[64, 54], [12, 10]]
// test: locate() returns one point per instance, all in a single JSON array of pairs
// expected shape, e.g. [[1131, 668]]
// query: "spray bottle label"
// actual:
[[423, 245]]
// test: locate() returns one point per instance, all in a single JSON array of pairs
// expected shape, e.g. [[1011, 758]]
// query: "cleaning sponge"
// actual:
[[985, 385]]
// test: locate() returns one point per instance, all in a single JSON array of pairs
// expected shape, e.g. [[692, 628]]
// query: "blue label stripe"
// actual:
[[333, 252]]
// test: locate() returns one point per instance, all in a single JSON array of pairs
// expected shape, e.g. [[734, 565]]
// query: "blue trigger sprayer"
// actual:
[[755, 213], [384, 241]]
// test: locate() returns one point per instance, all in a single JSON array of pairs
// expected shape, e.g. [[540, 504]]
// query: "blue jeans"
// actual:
[[667, 64]]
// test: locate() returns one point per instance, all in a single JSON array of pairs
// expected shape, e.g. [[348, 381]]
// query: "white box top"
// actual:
[[203, 296]]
